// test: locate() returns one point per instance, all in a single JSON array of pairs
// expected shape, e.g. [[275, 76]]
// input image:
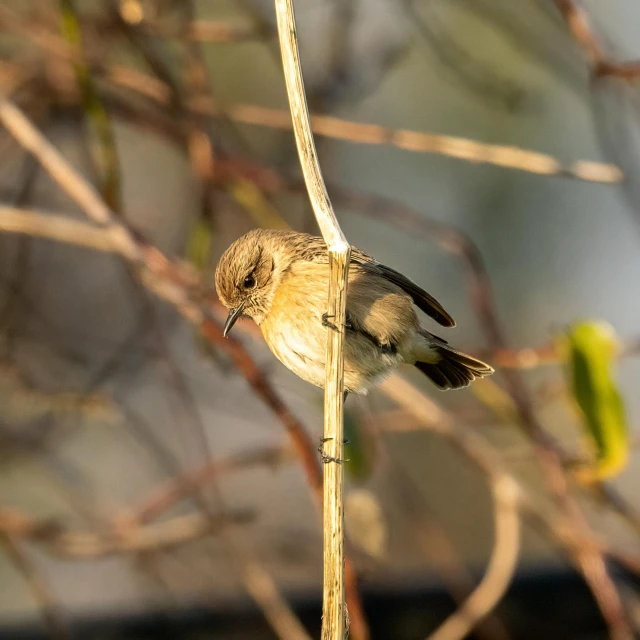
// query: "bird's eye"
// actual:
[[249, 282]]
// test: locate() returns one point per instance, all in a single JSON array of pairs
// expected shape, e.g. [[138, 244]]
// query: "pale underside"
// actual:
[[383, 331]]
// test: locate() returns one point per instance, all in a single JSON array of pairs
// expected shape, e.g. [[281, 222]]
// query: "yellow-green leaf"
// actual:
[[591, 351], [200, 243]]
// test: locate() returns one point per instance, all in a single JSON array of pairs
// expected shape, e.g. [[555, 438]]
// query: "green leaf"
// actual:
[[592, 348]]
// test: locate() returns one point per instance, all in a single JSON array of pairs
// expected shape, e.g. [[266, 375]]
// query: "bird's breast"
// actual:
[[294, 332]]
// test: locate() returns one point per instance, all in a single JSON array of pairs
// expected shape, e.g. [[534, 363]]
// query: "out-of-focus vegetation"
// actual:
[[487, 149]]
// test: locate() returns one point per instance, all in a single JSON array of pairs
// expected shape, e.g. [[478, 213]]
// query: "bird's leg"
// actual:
[[325, 458]]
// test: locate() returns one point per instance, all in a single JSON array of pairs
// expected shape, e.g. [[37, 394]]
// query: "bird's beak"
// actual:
[[234, 314]]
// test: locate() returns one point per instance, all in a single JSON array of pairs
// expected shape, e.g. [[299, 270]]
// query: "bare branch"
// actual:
[[456, 147], [38, 585], [601, 64], [75, 186], [56, 227], [129, 538]]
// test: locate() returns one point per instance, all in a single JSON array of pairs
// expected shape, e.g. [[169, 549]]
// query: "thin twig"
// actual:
[[334, 624], [125, 538], [38, 585], [578, 541], [431, 535], [55, 227], [456, 147], [167, 494], [579, 24], [76, 187], [502, 565]]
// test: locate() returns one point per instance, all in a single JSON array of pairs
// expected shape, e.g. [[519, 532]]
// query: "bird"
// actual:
[[280, 279]]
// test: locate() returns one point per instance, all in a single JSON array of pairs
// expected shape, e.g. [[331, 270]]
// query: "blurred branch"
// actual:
[[55, 227], [578, 541], [501, 568], [533, 357], [38, 586], [203, 31], [276, 609], [127, 539], [147, 537], [360, 133], [75, 186], [166, 495], [431, 535], [582, 31], [455, 147], [177, 284]]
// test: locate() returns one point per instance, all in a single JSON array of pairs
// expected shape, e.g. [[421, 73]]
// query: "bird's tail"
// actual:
[[448, 368]]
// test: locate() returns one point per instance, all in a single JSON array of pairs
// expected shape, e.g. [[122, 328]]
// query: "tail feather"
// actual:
[[453, 369]]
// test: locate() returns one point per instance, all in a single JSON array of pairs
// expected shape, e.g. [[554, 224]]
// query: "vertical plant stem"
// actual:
[[333, 608]]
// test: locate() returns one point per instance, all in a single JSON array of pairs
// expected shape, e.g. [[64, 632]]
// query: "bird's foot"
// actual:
[[326, 323], [325, 458]]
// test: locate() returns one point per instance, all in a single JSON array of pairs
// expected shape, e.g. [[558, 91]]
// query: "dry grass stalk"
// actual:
[[333, 607]]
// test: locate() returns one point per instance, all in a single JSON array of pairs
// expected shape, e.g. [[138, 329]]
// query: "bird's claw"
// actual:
[[327, 459], [326, 323]]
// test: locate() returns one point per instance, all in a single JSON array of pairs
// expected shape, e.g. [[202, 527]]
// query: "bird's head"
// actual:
[[247, 276]]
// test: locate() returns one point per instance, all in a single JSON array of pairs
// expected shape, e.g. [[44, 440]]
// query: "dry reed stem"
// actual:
[[333, 604]]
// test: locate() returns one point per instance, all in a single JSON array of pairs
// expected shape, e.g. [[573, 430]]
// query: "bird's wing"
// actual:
[[378, 310], [421, 298]]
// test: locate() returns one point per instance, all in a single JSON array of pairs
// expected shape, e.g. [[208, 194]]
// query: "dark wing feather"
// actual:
[[421, 298]]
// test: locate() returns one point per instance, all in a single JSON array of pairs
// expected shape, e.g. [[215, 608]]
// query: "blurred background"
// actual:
[[157, 481]]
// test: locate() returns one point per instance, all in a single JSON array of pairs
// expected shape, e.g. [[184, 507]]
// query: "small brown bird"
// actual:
[[281, 280]]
